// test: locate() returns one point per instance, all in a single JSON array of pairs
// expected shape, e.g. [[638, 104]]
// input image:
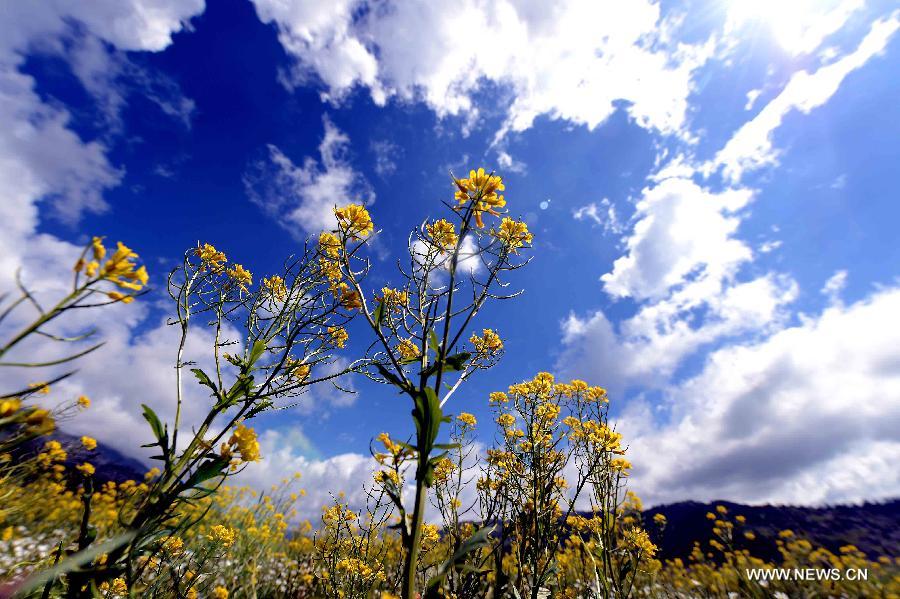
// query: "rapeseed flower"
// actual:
[[513, 234], [442, 234], [241, 276], [480, 189], [354, 221]]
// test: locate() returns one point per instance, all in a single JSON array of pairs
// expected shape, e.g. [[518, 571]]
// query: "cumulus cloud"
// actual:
[[647, 348], [508, 163], [576, 60], [45, 165], [751, 147], [301, 198], [808, 415], [681, 229], [41, 158]]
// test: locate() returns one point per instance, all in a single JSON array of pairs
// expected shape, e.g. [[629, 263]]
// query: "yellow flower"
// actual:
[[241, 276], [639, 540], [117, 587], [350, 299], [191, 593], [222, 535], [354, 221], [506, 420], [84, 402], [91, 268], [620, 465], [41, 421], [151, 474], [276, 287], [120, 269], [430, 534], [212, 258], [244, 440], [467, 419], [300, 372], [98, 249], [337, 336], [331, 269], [442, 234], [443, 469], [393, 299], [480, 189], [89, 443], [329, 245], [119, 297], [42, 388], [86, 468], [513, 233], [8, 407], [498, 397], [488, 344], [220, 592], [173, 546], [408, 350], [659, 519]]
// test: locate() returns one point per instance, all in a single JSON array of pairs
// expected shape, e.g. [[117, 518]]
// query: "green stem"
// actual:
[[411, 561]]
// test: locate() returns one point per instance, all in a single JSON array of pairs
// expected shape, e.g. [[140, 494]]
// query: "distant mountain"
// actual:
[[873, 527], [110, 464]]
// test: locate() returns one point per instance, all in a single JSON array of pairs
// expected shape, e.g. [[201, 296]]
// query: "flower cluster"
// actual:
[[243, 442], [120, 269], [354, 221], [480, 191]]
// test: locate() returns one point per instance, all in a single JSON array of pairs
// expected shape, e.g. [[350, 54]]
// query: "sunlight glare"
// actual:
[[798, 26]]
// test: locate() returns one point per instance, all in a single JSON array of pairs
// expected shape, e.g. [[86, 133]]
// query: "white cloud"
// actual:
[[769, 421], [798, 26], [41, 159], [508, 163], [386, 153], [46, 167], [573, 60], [647, 348], [751, 147], [302, 198], [834, 285], [322, 479], [681, 229], [609, 221]]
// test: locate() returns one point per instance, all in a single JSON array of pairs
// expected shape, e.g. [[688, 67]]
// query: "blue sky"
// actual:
[[710, 184]]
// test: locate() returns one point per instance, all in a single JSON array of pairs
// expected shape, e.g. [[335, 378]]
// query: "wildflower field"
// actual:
[[542, 509]]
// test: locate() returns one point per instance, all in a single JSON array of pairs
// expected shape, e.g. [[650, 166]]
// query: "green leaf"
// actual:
[[206, 471], [203, 378], [456, 362], [390, 376], [379, 314], [259, 346], [241, 388], [447, 446], [479, 539], [156, 426], [73, 562], [433, 343]]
